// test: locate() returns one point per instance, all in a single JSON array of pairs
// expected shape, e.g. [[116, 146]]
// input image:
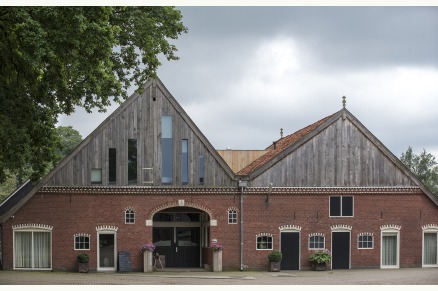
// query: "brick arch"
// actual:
[[178, 204]]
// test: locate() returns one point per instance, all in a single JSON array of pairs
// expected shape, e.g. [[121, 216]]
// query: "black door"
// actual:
[[341, 250], [187, 247], [290, 248], [179, 245]]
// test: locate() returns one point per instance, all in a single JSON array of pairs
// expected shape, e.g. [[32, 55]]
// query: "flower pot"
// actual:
[[319, 266], [274, 266], [83, 267]]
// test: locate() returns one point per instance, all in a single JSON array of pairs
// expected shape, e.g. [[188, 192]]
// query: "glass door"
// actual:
[[107, 252], [389, 250]]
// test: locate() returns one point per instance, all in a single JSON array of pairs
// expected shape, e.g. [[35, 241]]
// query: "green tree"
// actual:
[[424, 166], [69, 139], [55, 58]]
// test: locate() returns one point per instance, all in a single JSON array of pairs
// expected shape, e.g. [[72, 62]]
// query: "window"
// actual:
[[201, 170], [430, 245], [232, 216], [264, 242], [129, 216], [132, 161], [96, 176], [166, 150], [112, 166], [341, 206], [390, 246], [316, 242], [32, 250], [365, 241], [185, 162], [82, 242]]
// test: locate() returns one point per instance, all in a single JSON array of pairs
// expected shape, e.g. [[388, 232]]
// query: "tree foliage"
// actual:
[[69, 139], [55, 58], [424, 166]]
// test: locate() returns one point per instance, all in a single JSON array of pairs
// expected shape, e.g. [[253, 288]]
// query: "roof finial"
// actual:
[[344, 101], [281, 132]]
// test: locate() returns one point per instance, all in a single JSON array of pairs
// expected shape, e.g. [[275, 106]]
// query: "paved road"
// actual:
[[411, 276]]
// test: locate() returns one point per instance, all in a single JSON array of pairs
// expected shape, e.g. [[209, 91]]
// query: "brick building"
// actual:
[[148, 174]]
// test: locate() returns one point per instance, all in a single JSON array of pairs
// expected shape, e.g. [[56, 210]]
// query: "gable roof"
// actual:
[[279, 146], [284, 146], [7, 209]]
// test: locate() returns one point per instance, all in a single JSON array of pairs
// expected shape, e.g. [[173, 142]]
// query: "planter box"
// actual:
[[147, 261], [274, 266], [217, 261], [83, 267], [319, 267]]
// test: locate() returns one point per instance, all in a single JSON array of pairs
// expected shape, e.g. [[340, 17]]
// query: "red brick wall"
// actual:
[[72, 214]]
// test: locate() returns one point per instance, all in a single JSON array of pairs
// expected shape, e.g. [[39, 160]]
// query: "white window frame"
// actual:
[[269, 241], [390, 230], [107, 230], [79, 236], [431, 228], [232, 216], [316, 235], [38, 228], [129, 211], [359, 241]]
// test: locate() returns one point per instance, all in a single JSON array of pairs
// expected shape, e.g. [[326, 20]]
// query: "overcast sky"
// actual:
[[246, 72]]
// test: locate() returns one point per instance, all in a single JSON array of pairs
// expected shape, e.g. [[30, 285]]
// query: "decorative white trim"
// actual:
[[430, 227], [290, 227], [365, 233], [316, 234], [175, 204], [213, 222], [341, 227], [81, 234], [129, 209], [232, 208], [32, 226], [390, 227], [107, 227], [149, 222], [181, 202], [264, 234]]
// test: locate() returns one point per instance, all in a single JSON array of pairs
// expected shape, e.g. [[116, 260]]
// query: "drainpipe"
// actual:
[[242, 186]]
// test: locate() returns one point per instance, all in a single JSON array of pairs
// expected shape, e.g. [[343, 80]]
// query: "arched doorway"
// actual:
[[179, 234]]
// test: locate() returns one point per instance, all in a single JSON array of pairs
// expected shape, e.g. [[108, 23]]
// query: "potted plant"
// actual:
[[319, 259], [274, 258], [217, 256], [83, 263], [147, 249]]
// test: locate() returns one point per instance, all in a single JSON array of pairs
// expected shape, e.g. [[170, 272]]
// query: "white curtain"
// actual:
[[30, 244], [430, 249], [23, 250], [389, 252], [41, 247]]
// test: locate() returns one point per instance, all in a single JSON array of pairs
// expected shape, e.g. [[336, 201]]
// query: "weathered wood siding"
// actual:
[[340, 155], [140, 118]]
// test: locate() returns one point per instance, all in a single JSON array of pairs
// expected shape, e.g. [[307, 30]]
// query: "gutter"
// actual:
[[242, 186]]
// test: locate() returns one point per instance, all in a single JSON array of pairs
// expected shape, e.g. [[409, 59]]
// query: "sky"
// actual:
[[245, 72]]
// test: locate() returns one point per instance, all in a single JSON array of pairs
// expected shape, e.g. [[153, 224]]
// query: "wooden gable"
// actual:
[[139, 118], [337, 151]]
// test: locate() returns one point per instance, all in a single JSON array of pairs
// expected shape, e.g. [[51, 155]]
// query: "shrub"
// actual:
[[275, 256], [83, 258]]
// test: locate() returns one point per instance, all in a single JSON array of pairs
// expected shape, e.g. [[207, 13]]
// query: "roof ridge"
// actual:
[[280, 145]]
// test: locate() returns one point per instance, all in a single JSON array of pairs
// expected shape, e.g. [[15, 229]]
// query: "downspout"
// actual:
[[242, 185]]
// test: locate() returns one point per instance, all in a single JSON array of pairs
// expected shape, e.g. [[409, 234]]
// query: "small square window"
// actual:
[[82, 242], [341, 206], [316, 242], [232, 216], [264, 242], [96, 176], [365, 242]]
